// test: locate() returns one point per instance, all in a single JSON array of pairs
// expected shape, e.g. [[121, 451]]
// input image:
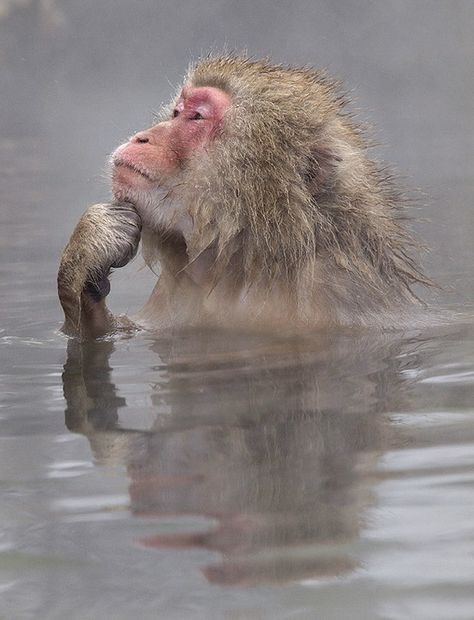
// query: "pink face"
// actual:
[[154, 155]]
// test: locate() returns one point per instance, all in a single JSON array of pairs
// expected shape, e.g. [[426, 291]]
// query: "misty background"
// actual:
[[77, 78]]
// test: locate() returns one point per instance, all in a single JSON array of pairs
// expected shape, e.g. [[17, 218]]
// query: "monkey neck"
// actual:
[[181, 262], [200, 269]]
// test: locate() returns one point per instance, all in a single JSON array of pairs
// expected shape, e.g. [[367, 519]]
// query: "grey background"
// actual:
[[77, 78]]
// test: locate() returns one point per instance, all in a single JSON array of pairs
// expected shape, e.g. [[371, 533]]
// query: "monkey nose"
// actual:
[[141, 137]]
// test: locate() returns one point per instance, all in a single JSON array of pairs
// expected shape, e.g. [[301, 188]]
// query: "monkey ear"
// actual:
[[321, 169]]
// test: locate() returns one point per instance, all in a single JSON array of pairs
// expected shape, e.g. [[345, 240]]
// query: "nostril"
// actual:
[[141, 138]]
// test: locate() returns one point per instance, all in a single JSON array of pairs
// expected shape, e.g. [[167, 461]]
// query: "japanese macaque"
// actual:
[[256, 196]]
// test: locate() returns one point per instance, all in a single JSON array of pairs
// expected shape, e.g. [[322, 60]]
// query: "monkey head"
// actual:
[[147, 167]]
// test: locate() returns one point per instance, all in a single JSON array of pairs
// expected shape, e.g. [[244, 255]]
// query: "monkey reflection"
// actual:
[[276, 440]]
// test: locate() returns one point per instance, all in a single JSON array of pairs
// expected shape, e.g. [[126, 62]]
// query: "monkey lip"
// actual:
[[122, 163]]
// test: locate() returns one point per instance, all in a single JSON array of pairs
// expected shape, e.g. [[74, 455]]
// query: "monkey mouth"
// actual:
[[119, 162]]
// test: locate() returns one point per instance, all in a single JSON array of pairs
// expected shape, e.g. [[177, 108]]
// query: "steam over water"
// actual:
[[210, 475]]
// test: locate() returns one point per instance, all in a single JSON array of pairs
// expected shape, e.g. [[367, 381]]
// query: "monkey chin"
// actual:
[[126, 180]]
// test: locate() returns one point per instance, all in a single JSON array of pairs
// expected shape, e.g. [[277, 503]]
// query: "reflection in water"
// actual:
[[274, 439]]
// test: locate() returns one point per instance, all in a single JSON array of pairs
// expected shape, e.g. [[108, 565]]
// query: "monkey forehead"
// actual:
[[194, 97]]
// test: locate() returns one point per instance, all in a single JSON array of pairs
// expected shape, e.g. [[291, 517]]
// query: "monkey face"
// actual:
[[147, 169]]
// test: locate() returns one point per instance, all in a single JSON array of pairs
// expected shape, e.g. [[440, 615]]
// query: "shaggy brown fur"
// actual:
[[289, 183], [290, 206]]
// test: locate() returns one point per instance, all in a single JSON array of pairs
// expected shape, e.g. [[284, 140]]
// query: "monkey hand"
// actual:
[[106, 237]]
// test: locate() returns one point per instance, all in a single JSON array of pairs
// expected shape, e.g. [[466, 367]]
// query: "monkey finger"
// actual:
[[98, 289], [126, 257], [127, 213]]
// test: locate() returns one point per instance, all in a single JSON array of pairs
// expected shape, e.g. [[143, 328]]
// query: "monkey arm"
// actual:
[[106, 237]]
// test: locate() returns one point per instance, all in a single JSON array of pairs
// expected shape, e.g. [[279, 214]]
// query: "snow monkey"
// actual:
[[256, 195]]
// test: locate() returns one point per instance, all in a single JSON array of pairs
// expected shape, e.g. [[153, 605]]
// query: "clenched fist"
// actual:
[[106, 237]]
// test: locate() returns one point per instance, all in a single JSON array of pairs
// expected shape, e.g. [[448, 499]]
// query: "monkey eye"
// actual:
[[197, 116], [175, 113]]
